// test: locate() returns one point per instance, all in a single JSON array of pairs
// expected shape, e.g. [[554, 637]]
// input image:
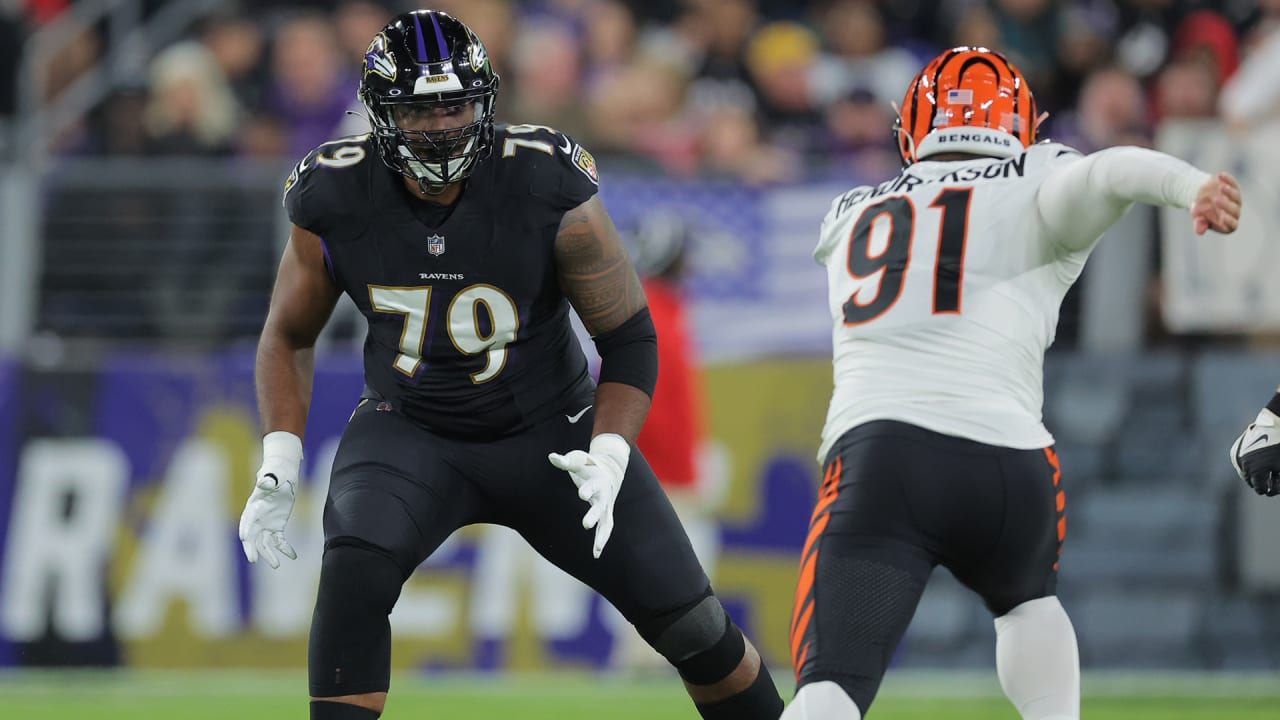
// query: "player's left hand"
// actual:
[[1217, 205], [1256, 454], [598, 473]]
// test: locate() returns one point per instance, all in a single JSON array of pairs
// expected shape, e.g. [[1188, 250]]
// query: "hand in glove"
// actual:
[[267, 511], [598, 473], [1256, 454]]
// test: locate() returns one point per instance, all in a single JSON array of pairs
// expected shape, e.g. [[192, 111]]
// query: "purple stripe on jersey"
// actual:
[[444, 53], [422, 41], [328, 261]]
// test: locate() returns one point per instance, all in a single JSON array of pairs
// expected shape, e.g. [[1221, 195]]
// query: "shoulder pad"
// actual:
[[557, 167], [1048, 153], [840, 205], [316, 185], [848, 199]]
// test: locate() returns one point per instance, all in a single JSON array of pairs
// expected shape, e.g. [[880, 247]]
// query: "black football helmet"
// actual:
[[426, 62]]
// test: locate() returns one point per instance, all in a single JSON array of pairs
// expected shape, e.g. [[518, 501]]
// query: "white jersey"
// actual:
[[945, 283]]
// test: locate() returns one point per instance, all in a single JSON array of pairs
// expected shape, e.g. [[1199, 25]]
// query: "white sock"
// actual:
[[1038, 662], [823, 700]]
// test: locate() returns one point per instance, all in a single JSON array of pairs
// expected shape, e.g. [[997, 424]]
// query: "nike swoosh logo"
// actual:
[[573, 419], [567, 148], [1257, 440]]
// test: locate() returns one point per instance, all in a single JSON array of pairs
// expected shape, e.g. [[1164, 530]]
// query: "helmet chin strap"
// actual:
[[432, 182], [431, 189], [900, 133], [448, 167], [903, 136]]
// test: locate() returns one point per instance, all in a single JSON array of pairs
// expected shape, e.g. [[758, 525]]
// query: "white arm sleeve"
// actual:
[[1079, 200]]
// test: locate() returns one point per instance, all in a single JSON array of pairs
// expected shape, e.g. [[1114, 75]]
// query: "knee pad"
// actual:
[[698, 639], [821, 701], [350, 649]]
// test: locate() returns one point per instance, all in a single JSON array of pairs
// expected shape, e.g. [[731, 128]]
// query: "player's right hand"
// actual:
[[1217, 205], [271, 503], [1256, 454]]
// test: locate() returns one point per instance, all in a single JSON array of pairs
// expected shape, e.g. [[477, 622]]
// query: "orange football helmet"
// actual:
[[969, 99]]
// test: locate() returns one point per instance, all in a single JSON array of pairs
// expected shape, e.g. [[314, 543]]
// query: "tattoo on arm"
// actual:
[[596, 273]]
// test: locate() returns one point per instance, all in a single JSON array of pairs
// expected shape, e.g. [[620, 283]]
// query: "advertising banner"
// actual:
[[121, 488], [1215, 283]]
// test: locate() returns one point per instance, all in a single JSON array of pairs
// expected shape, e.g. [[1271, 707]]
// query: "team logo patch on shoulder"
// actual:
[[379, 60], [435, 245], [586, 163]]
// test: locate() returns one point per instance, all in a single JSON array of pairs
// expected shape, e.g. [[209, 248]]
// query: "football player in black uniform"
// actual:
[[463, 244]]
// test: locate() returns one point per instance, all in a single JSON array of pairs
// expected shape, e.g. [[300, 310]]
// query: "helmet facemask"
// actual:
[[410, 144]]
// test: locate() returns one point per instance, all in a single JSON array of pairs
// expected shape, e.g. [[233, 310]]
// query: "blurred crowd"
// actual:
[[757, 90]]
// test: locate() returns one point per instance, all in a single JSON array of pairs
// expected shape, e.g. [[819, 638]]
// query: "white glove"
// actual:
[[271, 503], [598, 474], [1256, 454]]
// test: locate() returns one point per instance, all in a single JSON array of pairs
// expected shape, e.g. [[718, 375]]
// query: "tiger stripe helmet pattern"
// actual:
[[968, 99]]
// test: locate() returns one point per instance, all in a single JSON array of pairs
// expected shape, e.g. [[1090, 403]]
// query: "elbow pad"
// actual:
[[629, 353]]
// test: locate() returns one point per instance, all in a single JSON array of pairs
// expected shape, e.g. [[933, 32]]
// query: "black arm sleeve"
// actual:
[[629, 353]]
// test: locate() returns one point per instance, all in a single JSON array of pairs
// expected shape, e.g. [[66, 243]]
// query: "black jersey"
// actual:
[[469, 333]]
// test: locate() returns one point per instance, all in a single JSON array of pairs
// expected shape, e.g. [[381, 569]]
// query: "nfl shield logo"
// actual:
[[435, 245]]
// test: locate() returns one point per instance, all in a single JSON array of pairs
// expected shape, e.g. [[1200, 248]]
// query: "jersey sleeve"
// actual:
[[828, 235], [297, 189], [1081, 196], [316, 187], [566, 179]]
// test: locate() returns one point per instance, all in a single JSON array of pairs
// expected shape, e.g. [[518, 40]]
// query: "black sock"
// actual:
[[760, 701], [326, 710]]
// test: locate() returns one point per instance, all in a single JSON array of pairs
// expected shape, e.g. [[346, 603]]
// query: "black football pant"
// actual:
[[896, 501], [397, 491]]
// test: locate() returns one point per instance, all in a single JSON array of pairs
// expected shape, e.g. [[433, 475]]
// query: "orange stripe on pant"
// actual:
[[1055, 464], [1060, 500], [802, 614]]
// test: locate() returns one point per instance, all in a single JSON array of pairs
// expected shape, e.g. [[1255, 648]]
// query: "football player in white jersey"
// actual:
[[1256, 453], [945, 284]]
